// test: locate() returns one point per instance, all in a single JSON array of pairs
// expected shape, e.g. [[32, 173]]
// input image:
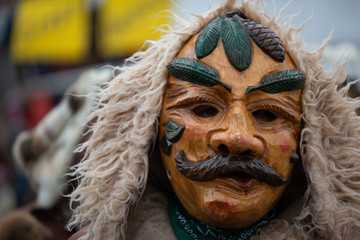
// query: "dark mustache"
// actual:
[[217, 165]]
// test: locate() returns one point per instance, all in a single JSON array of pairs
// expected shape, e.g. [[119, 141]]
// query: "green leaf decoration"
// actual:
[[173, 131], [165, 146], [208, 39], [284, 81], [236, 43], [195, 72]]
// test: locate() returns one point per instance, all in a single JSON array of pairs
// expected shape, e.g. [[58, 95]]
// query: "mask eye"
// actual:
[[264, 115], [205, 111]]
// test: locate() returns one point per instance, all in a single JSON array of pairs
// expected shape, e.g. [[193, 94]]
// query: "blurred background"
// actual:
[[46, 44]]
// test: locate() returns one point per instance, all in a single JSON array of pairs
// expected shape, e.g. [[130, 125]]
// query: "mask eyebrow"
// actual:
[[191, 100], [195, 72], [285, 111], [283, 81]]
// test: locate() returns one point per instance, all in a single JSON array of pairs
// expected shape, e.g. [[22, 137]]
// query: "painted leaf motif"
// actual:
[[208, 39], [236, 43], [165, 146], [173, 131], [195, 72], [284, 81]]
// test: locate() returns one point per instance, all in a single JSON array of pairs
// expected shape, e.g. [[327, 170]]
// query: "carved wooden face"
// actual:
[[232, 130]]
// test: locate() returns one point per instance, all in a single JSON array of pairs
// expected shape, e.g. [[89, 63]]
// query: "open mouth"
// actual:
[[241, 180]]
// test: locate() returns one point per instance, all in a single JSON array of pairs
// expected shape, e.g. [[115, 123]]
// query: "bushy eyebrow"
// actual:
[[195, 72], [283, 81]]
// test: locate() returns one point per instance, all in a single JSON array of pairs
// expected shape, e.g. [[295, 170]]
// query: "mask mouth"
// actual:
[[217, 166], [242, 180]]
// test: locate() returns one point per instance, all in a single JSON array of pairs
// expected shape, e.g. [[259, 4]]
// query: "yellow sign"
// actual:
[[123, 26], [51, 31]]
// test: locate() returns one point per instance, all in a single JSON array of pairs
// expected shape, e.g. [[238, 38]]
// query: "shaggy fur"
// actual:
[[114, 170]]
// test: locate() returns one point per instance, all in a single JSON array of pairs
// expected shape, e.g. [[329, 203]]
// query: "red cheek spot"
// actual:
[[196, 132], [285, 147]]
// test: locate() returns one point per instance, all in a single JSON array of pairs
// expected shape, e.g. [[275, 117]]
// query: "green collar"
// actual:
[[188, 228]]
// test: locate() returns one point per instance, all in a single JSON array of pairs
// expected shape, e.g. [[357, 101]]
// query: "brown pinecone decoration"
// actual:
[[265, 38]]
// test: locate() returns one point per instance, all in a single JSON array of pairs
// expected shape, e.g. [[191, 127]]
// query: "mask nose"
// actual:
[[236, 143], [238, 136]]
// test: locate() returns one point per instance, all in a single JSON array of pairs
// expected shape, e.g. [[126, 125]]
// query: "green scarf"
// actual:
[[188, 228]]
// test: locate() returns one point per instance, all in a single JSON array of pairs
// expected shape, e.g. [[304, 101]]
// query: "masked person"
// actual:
[[253, 136]]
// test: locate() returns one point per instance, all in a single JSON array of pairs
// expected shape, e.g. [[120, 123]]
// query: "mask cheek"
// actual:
[[280, 152], [195, 142]]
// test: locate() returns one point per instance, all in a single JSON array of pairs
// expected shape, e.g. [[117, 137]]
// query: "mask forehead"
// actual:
[[261, 66]]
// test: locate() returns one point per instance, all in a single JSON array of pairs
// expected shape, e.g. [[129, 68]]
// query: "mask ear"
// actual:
[[157, 172], [298, 184], [295, 189]]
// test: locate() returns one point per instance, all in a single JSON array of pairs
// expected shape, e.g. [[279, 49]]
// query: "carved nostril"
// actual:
[[248, 153], [223, 149]]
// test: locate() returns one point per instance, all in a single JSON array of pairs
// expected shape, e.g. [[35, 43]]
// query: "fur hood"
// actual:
[[113, 174]]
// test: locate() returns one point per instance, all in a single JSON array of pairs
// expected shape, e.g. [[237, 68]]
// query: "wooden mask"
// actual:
[[230, 122]]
